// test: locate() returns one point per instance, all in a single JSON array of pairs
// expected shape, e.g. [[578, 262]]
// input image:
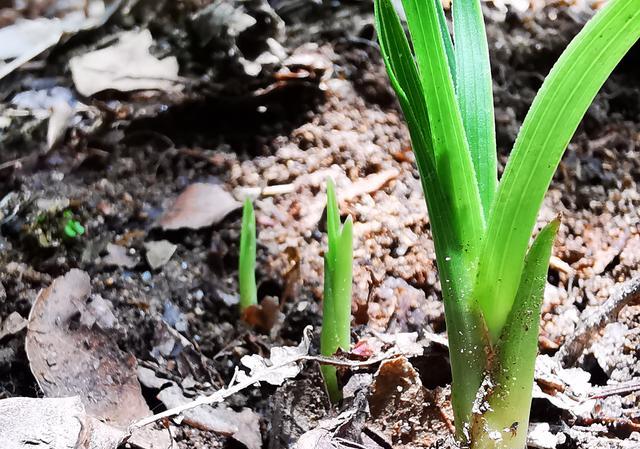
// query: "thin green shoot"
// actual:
[[336, 307], [247, 262]]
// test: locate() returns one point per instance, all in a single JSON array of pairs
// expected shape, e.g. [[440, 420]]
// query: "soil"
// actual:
[[340, 119]]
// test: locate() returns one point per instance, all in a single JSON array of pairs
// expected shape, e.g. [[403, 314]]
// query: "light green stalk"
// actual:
[[338, 272], [247, 263]]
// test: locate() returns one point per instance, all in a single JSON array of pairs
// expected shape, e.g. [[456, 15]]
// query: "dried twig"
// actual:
[[620, 389], [592, 321], [261, 376]]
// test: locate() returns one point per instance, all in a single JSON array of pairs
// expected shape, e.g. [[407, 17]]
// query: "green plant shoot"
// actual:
[[72, 228], [247, 263], [338, 273], [492, 282]]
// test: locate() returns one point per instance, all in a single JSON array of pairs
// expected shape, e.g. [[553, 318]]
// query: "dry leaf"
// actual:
[[398, 396], [124, 66], [243, 426], [26, 39], [284, 357], [59, 120], [70, 356], [199, 206], [263, 316], [53, 423]]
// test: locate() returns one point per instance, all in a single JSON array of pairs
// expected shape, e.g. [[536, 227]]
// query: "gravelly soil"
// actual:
[[348, 128]]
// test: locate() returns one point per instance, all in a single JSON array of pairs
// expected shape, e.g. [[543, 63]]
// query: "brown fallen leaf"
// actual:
[[263, 316], [53, 423], [70, 354], [199, 206], [403, 409]]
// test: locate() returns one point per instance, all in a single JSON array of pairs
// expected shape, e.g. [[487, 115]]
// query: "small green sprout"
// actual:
[[71, 227], [247, 264], [492, 282], [338, 273]]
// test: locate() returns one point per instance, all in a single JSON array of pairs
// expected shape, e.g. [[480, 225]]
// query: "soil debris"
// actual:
[[593, 320], [118, 256]]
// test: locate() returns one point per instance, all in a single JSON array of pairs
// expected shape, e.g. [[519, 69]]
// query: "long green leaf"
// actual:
[[247, 262], [464, 322], [453, 161], [475, 94], [507, 413], [553, 118]]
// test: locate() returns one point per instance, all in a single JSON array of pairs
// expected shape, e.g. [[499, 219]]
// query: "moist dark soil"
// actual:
[[340, 120]]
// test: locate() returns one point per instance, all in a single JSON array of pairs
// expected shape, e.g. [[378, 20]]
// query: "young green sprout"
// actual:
[[336, 307], [71, 227], [492, 282], [247, 263]]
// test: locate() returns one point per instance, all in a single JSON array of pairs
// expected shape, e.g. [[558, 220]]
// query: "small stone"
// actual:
[[159, 252]]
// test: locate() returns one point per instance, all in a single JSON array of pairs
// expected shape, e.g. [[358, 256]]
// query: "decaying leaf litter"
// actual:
[[269, 105]]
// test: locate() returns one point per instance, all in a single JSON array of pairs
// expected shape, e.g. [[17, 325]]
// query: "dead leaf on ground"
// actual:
[[125, 66], [281, 365], [242, 426], [199, 206], [70, 356], [26, 39], [53, 423], [401, 343], [263, 316], [403, 409], [58, 104], [344, 431]]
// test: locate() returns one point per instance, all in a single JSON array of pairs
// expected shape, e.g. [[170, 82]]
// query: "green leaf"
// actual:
[[446, 40], [475, 94], [247, 263], [512, 375], [453, 161], [551, 122], [343, 284], [464, 322]]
